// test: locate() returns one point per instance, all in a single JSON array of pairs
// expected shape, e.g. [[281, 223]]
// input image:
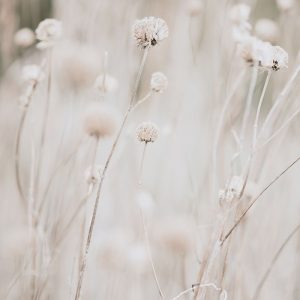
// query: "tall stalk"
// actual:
[[107, 163]]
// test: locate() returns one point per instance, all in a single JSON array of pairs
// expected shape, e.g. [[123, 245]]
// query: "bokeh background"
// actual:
[[179, 194]]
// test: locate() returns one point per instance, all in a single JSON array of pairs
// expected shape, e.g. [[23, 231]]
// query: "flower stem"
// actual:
[[107, 163]]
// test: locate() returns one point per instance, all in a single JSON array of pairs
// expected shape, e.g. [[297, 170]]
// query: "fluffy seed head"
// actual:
[[24, 37], [106, 84], [150, 31], [267, 30], [159, 82], [99, 121], [32, 73], [48, 32], [147, 132], [263, 54]]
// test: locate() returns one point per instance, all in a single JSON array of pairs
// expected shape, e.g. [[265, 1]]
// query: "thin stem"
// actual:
[[147, 242], [205, 285], [273, 261], [45, 122], [275, 134], [146, 235], [279, 99], [18, 142], [142, 165], [148, 95], [256, 198], [248, 103], [107, 163], [221, 121], [262, 96]]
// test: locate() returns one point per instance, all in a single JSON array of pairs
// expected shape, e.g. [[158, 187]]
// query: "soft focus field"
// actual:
[[209, 209]]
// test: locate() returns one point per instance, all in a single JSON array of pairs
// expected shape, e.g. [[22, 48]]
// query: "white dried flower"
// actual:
[[150, 31], [267, 30], [159, 82], [100, 121], [263, 54], [93, 174], [32, 73], [48, 32], [195, 7], [285, 4], [106, 84], [24, 37], [147, 132]]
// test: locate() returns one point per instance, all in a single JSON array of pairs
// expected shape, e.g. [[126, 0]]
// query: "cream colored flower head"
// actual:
[[24, 37], [159, 82], [263, 54], [147, 132], [150, 31], [100, 121], [32, 73], [106, 84], [48, 32]]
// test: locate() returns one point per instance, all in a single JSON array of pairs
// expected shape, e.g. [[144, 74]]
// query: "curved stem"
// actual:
[[279, 99], [256, 198], [18, 141], [221, 121], [273, 261], [45, 122], [275, 134], [248, 103], [107, 163], [261, 99], [148, 95]]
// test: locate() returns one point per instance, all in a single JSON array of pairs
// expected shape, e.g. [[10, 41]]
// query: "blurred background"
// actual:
[[194, 157]]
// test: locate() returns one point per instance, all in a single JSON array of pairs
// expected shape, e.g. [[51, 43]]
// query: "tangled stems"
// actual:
[[275, 258], [107, 163], [18, 141], [256, 198]]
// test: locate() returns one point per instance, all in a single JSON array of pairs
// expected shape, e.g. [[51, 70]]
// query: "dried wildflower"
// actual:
[[24, 37], [159, 82], [195, 7], [263, 54], [100, 121], [267, 30], [147, 132], [32, 73], [106, 84], [93, 174], [150, 31], [48, 32]]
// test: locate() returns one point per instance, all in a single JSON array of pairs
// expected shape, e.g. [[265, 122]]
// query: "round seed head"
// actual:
[[48, 32], [159, 82], [147, 132], [150, 31]]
